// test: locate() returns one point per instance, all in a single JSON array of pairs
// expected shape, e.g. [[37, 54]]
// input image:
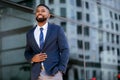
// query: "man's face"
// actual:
[[42, 14]]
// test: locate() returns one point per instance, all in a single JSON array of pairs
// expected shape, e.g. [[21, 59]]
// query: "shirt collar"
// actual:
[[45, 26]]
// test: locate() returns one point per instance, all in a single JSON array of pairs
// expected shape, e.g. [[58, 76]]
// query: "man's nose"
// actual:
[[39, 12]]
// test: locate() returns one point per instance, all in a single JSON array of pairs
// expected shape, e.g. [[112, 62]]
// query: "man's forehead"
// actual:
[[43, 5], [42, 8]]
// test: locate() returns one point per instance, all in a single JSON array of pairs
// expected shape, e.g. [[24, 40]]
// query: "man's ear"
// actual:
[[49, 15], [52, 16]]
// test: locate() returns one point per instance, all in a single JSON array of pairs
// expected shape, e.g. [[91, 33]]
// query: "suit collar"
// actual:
[[45, 26], [34, 43]]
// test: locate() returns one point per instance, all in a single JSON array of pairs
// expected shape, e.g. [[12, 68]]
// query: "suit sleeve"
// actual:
[[64, 50], [28, 50]]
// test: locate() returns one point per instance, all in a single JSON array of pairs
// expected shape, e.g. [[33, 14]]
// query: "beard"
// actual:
[[41, 19]]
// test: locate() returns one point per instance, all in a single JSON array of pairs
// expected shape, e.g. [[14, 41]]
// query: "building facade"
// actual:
[[92, 28]]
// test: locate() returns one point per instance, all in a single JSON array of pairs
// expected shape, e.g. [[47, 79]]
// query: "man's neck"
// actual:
[[41, 23]]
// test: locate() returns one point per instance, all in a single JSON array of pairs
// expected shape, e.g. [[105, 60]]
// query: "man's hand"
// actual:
[[39, 57]]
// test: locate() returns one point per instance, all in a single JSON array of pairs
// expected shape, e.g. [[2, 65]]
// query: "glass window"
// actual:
[[117, 39], [116, 16], [100, 23], [100, 35], [28, 3], [87, 45], [94, 73], [87, 57], [108, 36], [112, 38], [109, 75], [16, 72], [78, 3], [108, 48], [63, 12], [63, 24], [62, 1], [114, 76], [113, 50], [119, 61], [82, 74], [76, 74], [112, 25], [99, 0], [81, 56], [117, 28], [16, 23], [119, 17], [52, 11], [87, 74], [99, 10], [42, 1], [79, 29], [80, 44], [111, 15], [79, 15], [86, 31], [87, 5], [100, 75], [100, 49], [88, 17], [118, 51], [51, 1]]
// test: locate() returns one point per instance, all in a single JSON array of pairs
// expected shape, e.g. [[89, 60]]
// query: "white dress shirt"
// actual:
[[37, 33]]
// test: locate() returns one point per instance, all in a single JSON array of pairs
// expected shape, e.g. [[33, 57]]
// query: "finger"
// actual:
[[42, 59], [43, 55], [40, 54], [37, 55]]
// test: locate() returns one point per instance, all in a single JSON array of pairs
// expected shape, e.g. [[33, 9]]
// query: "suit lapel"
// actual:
[[33, 41], [47, 36]]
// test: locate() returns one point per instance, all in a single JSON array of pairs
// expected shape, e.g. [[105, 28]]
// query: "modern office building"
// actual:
[[92, 28]]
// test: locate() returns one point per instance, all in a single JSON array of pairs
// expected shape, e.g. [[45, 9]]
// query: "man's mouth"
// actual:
[[39, 16]]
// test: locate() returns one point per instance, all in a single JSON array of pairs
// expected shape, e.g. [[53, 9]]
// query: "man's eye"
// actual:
[[42, 10], [37, 11]]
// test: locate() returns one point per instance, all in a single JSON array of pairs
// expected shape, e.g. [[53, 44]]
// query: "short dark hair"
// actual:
[[44, 6]]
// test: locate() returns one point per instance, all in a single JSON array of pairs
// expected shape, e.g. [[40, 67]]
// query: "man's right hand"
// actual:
[[39, 57]]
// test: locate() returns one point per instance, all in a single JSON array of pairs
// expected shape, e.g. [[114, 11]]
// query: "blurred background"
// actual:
[[92, 28]]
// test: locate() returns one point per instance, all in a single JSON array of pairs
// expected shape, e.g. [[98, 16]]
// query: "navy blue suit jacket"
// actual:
[[56, 48]]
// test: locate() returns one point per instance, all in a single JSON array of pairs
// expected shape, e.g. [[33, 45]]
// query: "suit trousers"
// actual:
[[44, 76]]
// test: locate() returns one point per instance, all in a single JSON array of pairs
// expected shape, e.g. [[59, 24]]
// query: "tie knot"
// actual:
[[41, 29]]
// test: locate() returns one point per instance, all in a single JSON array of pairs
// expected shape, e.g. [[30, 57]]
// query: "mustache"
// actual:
[[39, 15]]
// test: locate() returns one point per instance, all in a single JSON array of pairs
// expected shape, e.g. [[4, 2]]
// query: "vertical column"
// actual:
[[0, 50], [0, 60], [83, 50]]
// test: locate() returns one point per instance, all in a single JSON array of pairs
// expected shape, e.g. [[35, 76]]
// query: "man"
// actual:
[[46, 48]]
